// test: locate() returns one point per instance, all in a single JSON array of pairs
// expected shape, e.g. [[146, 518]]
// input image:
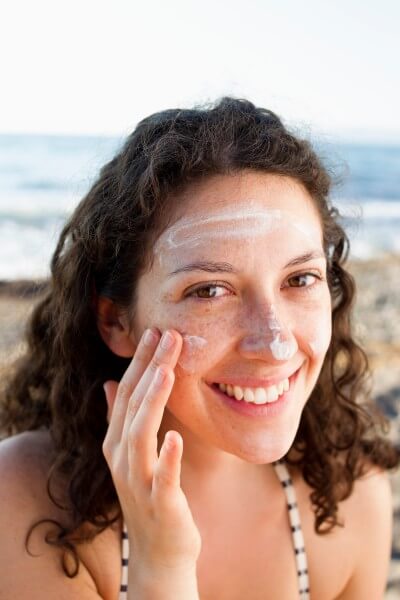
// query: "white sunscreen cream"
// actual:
[[282, 346], [192, 346], [247, 221], [244, 223]]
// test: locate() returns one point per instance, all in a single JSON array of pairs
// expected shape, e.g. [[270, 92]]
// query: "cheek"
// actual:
[[204, 342], [206, 335], [317, 334], [194, 350]]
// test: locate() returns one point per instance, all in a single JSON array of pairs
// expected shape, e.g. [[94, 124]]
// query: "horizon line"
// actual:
[[349, 137]]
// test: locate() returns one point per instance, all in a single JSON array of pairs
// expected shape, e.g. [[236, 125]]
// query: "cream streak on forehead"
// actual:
[[242, 222]]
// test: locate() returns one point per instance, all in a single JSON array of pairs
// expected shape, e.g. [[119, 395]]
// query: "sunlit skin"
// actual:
[[230, 324]]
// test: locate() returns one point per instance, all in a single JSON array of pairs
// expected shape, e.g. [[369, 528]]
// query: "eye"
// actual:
[[303, 280], [206, 292]]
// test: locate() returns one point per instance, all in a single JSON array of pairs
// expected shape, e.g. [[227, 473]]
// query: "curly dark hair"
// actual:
[[104, 248]]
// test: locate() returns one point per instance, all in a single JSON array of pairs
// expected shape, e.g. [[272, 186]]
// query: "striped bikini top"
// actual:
[[297, 536]]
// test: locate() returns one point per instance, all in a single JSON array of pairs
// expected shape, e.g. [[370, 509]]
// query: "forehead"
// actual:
[[242, 205]]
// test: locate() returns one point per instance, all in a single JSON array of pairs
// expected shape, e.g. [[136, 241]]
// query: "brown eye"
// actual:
[[206, 292], [210, 291], [302, 280]]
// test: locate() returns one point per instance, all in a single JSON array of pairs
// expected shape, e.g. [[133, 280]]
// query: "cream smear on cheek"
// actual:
[[192, 352]]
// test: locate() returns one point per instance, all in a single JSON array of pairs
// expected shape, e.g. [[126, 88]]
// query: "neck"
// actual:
[[209, 473]]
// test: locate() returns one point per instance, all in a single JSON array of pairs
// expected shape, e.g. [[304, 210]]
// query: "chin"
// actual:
[[265, 453]]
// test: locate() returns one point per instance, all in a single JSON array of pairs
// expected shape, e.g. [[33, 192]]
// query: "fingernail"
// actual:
[[167, 340], [149, 337]]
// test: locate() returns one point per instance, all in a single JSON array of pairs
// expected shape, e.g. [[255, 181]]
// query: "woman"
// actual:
[[201, 282]]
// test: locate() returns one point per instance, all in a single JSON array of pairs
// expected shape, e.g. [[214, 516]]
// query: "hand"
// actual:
[[160, 524]]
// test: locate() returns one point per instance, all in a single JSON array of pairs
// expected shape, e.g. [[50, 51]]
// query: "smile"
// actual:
[[256, 395]]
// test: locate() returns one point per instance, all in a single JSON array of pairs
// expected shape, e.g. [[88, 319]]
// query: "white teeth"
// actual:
[[260, 396], [272, 393], [256, 395], [248, 395], [238, 392]]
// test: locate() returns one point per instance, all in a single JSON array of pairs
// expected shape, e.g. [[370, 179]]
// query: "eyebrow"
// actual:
[[208, 266], [306, 257], [223, 267]]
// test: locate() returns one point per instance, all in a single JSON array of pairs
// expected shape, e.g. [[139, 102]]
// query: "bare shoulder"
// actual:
[[371, 497], [368, 516], [33, 570], [351, 561], [24, 463], [33, 445]]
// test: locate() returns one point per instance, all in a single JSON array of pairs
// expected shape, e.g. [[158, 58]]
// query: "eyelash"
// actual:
[[218, 284]]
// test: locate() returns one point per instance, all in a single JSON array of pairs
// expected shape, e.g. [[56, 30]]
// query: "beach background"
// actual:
[[78, 77], [42, 178]]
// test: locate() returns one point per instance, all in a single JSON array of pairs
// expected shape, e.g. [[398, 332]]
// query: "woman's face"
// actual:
[[241, 274]]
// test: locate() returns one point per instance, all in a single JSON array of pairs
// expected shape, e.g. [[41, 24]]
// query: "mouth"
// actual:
[[256, 400], [256, 395]]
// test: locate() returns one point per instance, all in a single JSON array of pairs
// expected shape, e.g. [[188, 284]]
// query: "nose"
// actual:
[[268, 338]]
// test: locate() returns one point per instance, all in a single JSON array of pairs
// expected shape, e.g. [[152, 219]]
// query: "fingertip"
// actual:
[[178, 334], [156, 331], [170, 440], [173, 440]]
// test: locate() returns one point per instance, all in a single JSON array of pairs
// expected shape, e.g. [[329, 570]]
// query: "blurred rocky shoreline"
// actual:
[[376, 319]]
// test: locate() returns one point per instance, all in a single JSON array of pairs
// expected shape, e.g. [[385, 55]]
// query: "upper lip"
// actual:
[[255, 382]]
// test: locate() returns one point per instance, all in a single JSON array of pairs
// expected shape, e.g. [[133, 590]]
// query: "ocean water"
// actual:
[[42, 179]]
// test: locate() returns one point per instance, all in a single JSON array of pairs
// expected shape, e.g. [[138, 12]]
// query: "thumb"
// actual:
[[110, 391]]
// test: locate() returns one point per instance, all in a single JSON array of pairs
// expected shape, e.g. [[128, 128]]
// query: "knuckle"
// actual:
[[132, 409], [117, 471], [154, 364], [150, 395], [163, 479], [135, 441], [160, 483], [124, 390]]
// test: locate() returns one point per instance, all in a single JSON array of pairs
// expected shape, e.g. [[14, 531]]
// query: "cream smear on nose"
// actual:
[[246, 222], [192, 348], [281, 349]]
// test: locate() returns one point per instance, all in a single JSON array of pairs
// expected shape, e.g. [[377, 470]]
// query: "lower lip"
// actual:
[[272, 409]]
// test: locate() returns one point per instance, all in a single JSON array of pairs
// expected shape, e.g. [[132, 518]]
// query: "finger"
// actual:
[[143, 354], [167, 473], [143, 433], [166, 354], [142, 436], [128, 383]]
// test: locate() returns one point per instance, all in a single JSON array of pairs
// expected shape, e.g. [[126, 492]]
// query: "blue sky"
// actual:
[[90, 66]]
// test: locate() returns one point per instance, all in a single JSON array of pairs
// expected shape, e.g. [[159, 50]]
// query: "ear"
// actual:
[[113, 327]]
